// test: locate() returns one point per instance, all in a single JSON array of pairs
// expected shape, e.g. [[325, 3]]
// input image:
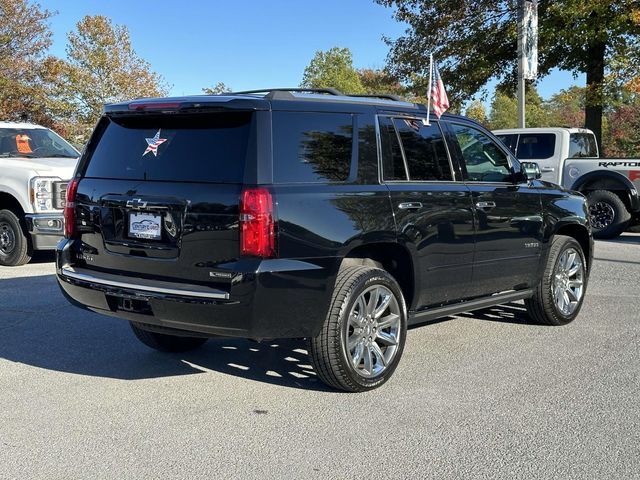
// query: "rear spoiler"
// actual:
[[188, 104]]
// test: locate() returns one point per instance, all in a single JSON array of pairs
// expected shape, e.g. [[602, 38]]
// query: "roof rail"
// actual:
[[384, 96], [271, 91]]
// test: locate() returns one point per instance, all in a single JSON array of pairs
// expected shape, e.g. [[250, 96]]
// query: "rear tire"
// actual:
[[566, 269], [363, 336], [14, 244], [166, 343], [609, 216]]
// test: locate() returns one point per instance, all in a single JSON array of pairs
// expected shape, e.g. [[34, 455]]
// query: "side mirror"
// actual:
[[532, 169]]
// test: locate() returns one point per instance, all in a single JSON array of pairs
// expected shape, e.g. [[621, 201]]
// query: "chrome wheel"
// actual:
[[7, 238], [568, 281], [601, 215], [372, 333]]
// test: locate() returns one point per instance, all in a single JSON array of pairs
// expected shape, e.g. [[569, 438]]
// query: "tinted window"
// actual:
[[536, 146], [206, 148], [312, 147], [424, 150], [582, 145], [392, 161], [485, 161], [510, 140]]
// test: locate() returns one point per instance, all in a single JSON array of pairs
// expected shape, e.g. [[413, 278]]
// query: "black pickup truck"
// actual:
[[311, 214]]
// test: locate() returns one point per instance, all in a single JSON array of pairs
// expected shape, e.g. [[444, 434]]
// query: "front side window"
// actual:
[[582, 145], [485, 161], [413, 151], [536, 146], [312, 147]]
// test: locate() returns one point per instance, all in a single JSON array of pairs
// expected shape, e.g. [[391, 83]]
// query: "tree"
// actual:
[[623, 139], [102, 68], [476, 42], [24, 40], [218, 88], [333, 69], [566, 108], [477, 112], [504, 109], [380, 82]]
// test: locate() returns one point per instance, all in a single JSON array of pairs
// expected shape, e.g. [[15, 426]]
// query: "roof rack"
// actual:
[[271, 91], [384, 96]]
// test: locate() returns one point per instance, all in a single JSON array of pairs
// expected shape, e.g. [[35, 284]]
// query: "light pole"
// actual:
[[527, 51], [521, 65]]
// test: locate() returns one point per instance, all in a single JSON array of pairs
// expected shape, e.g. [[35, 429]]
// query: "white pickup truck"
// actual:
[[570, 157], [35, 165]]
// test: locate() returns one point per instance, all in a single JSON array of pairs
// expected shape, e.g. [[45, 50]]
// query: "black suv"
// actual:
[[311, 214]]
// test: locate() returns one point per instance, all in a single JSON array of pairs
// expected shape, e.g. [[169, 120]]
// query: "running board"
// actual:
[[477, 304]]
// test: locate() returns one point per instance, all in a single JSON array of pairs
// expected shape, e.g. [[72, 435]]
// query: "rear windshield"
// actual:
[[533, 146], [582, 145], [187, 148]]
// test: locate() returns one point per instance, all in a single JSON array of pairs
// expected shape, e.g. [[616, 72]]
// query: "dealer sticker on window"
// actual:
[[145, 225]]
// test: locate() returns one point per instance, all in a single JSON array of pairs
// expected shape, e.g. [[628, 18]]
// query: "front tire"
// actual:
[[14, 244], [608, 214], [166, 343], [559, 296], [363, 336]]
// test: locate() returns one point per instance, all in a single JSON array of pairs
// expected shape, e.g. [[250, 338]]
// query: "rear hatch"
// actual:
[[159, 194]]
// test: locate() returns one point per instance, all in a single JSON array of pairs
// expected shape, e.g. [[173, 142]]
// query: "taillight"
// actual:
[[70, 209], [257, 236]]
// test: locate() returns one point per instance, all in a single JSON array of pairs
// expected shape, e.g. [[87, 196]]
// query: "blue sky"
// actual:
[[248, 43]]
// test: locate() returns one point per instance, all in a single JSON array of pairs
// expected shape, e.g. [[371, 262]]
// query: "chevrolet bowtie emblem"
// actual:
[[136, 203]]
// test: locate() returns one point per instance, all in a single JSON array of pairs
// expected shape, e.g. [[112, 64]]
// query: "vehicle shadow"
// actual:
[[626, 237], [43, 256], [44, 331]]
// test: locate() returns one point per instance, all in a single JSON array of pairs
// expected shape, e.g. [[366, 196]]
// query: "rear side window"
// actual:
[[420, 147], [582, 145], [312, 147], [534, 146], [188, 148]]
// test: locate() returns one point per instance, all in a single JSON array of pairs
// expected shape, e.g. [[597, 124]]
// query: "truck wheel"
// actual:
[[607, 213], [363, 335], [559, 295], [167, 343], [14, 244]]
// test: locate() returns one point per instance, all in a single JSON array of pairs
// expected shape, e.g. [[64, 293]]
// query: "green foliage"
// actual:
[[504, 109], [623, 136], [477, 112], [333, 69], [475, 42]]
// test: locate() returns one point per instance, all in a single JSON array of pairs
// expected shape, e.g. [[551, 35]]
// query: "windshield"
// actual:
[[34, 143]]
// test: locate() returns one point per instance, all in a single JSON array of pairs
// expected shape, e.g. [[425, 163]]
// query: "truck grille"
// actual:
[[59, 194]]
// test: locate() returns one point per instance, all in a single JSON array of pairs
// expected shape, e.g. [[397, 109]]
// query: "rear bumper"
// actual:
[[265, 298], [46, 229]]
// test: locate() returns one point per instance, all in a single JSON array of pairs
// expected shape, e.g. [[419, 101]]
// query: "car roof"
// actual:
[[277, 99], [19, 125]]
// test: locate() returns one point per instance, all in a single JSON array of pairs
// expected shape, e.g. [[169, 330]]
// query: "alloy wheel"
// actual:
[[372, 333], [601, 215], [568, 281]]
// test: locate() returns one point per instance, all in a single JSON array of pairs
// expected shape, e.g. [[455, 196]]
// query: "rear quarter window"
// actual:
[[189, 148], [311, 147], [533, 146], [582, 145]]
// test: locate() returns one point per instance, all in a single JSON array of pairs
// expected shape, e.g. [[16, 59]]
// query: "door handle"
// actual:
[[486, 204], [410, 205]]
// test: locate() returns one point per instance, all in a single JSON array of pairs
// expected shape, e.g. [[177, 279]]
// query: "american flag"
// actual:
[[439, 99]]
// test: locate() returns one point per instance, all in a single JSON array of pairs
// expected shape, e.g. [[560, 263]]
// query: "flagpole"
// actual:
[[429, 91]]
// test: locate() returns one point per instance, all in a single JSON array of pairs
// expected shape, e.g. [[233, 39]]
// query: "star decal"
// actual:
[[153, 144]]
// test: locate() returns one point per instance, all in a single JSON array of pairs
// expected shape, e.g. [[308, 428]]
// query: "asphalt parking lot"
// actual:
[[482, 395]]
